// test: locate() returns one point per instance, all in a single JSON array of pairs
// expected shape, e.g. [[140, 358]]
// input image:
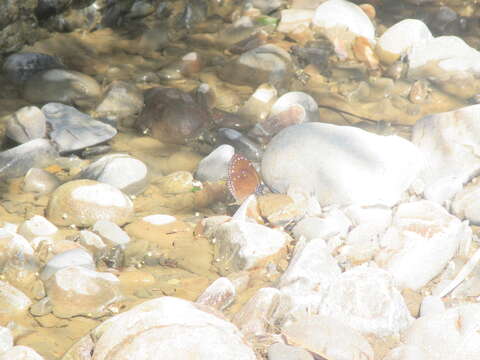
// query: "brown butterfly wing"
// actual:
[[243, 180]]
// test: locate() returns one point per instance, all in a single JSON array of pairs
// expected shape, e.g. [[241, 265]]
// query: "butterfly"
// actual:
[[242, 180]]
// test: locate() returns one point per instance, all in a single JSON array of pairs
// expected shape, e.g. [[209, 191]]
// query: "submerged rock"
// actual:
[[16, 161], [72, 130], [264, 64], [340, 164], [75, 290], [64, 86], [84, 202], [20, 67], [171, 116], [120, 170]]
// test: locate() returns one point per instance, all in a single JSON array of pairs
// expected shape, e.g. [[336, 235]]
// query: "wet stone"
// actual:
[[40, 181], [63, 86], [121, 100], [74, 257], [27, 123], [111, 233], [214, 167], [120, 170], [75, 290], [264, 64], [84, 202], [16, 161], [20, 67], [73, 130], [12, 300]]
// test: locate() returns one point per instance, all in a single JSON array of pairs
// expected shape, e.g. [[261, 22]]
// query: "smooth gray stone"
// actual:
[[73, 130], [20, 67], [16, 161]]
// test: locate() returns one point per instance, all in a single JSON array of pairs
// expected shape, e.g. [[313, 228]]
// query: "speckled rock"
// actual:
[[75, 290], [73, 130], [155, 327], [120, 170], [84, 202], [27, 123], [64, 86]]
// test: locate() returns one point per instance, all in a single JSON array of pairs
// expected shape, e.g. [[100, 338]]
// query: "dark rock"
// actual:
[[21, 66]]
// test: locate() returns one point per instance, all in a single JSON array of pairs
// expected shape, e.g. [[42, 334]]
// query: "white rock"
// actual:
[[406, 352], [242, 245], [6, 339], [111, 233], [255, 316], [451, 335], [21, 352], [75, 290], [449, 62], [280, 351], [311, 268], [366, 299], [219, 295], [399, 39], [327, 338], [172, 327], [431, 305], [159, 219], [12, 244], [420, 242], [36, 226], [74, 257], [12, 300], [323, 159], [90, 240], [332, 223], [380, 215], [120, 170], [214, 167], [466, 204], [295, 19], [450, 143], [344, 14]]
